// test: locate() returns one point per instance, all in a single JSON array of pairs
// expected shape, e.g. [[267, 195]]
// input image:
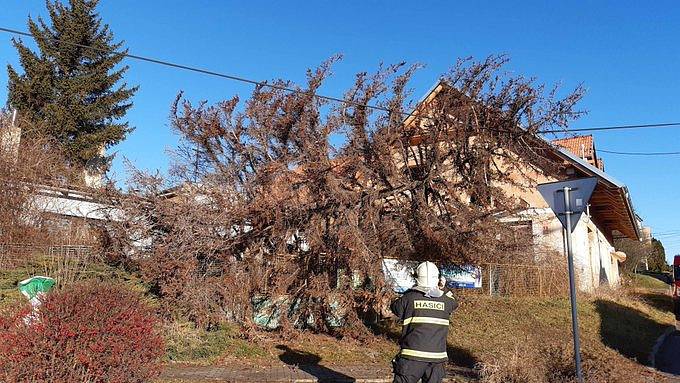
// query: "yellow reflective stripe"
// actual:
[[424, 354], [443, 322]]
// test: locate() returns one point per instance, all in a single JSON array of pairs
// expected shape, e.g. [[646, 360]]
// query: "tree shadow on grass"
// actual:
[[461, 357], [309, 363], [660, 301], [629, 331], [663, 277]]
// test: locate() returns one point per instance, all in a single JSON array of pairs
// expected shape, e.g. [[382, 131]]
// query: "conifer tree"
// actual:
[[69, 91], [657, 256]]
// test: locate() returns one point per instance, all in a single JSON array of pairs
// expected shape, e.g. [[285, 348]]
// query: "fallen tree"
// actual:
[[290, 196]]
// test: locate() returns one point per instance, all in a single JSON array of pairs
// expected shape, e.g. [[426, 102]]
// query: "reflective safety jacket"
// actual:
[[425, 325]]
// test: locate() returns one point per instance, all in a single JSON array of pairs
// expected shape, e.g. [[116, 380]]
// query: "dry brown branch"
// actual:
[[26, 167], [287, 196]]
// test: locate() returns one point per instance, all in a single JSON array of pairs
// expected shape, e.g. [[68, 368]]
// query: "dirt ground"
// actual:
[[302, 373]]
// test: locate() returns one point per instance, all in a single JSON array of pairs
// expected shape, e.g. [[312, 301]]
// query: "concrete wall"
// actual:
[[593, 260], [10, 137]]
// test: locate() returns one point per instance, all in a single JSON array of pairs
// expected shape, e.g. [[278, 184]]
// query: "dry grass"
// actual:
[[65, 272], [506, 339], [642, 281], [186, 343], [489, 328], [529, 340], [227, 345]]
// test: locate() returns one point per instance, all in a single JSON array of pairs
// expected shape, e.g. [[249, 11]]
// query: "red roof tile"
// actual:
[[582, 146]]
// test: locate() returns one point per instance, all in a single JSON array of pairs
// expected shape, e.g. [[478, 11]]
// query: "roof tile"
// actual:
[[582, 146]]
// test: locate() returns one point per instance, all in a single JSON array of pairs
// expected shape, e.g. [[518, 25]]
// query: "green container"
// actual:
[[34, 286]]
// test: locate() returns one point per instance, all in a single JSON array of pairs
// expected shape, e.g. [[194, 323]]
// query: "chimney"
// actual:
[[10, 137], [95, 169], [646, 235]]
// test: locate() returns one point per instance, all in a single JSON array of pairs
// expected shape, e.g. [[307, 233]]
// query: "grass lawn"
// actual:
[[647, 282], [618, 332], [65, 273], [226, 345], [489, 328]]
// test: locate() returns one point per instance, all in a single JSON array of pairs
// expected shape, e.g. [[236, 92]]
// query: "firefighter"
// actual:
[[424, 312]]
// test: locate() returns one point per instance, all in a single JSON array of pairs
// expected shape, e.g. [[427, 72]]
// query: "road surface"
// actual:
[[668, 356]]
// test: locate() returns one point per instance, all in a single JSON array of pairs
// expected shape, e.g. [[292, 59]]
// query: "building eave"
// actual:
[[606, 180]]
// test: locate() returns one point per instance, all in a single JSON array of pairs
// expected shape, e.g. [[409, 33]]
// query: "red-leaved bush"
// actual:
[[86, 333]]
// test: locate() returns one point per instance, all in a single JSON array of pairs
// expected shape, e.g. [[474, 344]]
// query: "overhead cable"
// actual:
[[316, 95]]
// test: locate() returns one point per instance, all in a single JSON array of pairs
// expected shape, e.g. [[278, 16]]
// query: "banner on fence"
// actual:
[[462, 277], [400, 275]]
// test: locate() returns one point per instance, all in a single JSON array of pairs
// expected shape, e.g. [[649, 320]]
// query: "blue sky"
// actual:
[[625, 53]]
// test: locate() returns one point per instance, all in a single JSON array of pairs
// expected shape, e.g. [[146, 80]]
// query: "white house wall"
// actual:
[[603, 268], [593, 262], [73, 204]]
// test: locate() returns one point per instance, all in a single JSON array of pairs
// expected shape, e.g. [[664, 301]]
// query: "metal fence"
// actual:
[[65, 263], [68, 262], [19, 253], [523, 280]]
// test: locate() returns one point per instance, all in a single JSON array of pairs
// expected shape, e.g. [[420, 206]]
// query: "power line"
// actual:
[[640, 153], [316, 95], [665, 234], [617, 127], [674, 232], [205, 71], [667, 237]]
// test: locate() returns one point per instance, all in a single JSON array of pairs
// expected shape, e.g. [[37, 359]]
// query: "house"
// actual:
[[64, 208], [71, 211], [10, 142], [610, 215], [10, 135], [610, 212]]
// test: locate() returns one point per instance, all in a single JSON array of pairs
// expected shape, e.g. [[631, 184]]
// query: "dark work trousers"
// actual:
[[410, 371]]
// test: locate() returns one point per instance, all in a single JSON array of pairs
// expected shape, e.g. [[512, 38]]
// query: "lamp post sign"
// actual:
[[569, 200]]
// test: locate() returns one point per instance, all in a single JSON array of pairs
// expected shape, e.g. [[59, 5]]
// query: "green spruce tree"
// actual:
[[69, 91], [657, 256]]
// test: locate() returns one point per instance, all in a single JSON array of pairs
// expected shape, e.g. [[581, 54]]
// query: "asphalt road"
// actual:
[[668, 356]]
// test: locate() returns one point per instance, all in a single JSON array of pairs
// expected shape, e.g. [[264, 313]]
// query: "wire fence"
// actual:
[[67, 263], [64, 263], [521, 280], [16, 254]]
